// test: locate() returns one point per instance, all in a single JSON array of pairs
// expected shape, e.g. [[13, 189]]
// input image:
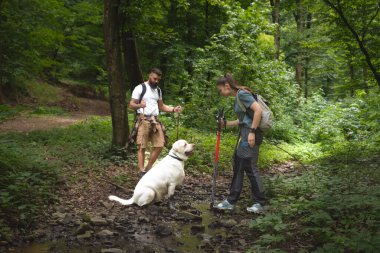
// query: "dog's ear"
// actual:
[[175, 146], [178, 146]]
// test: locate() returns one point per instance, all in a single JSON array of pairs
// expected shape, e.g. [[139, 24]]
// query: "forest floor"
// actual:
[[83, 220]]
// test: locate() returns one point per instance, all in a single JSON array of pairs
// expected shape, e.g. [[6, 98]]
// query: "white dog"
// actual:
[[161, 180]]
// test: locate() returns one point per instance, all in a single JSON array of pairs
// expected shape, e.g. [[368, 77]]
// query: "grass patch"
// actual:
[[43, 92], [51, 110], [8, 112]]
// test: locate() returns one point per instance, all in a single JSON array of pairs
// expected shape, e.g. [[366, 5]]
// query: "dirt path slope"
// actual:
[[78, 109]]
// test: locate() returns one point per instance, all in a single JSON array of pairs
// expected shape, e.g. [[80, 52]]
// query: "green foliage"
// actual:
[[323, 121], [241, 48], [32, 164]]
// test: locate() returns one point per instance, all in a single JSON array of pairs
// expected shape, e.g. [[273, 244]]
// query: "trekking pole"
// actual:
[[219, 118]]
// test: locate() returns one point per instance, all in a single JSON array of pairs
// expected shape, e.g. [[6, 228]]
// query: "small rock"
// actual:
[[3, 243], [242, 242], [183, 215], [58, 216], [163, 230], [112, 250], [108, 243], [107, 204], [97, 221], [229, 223], [83, 228], [68, 218], [205, 237], [105, 233], [143, 219], [245, 222], [86, 235]]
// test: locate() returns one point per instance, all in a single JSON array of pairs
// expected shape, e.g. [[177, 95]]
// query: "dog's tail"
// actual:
[[125, 202]]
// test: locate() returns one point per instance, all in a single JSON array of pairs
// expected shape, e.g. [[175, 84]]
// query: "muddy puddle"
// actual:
[[193, 227]]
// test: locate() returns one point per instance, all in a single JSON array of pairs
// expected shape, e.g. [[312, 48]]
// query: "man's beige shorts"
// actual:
[[145, 134]]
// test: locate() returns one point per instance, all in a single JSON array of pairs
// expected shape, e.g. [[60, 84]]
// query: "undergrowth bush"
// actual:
[[332, 208]]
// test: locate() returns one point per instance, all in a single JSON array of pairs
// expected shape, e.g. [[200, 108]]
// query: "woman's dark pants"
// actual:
[[249, 165]]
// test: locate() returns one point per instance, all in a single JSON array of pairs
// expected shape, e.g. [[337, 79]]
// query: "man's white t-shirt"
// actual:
[[151, 98]]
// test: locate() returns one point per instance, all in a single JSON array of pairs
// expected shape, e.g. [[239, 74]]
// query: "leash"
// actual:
[[178, 125]]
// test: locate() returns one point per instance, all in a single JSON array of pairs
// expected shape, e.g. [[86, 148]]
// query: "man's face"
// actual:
[[154, 78]]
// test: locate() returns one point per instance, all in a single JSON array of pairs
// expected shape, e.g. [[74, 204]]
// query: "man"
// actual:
[[149, 128]]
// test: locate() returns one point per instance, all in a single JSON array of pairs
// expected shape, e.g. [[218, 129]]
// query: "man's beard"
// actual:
[[153, 85]]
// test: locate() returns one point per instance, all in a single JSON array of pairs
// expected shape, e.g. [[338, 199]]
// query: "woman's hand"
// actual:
[[251, 139]]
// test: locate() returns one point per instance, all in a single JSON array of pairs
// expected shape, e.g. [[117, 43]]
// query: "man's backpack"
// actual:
[[266, 122], [144, 91]]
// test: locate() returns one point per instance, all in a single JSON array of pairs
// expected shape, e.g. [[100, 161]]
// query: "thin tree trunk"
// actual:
[[300, 20], [365, 81], [307, 58], [117, 87], [337, 8], [276, 20], [207, 32], [352, 77]]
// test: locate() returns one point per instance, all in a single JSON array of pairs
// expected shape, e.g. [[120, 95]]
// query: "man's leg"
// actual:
[[158, 142], [141, 158], [153, 156]]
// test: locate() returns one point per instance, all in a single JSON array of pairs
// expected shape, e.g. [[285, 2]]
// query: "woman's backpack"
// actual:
[[266, 122]]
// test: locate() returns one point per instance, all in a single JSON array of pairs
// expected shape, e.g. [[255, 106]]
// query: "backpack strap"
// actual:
[[144, 91], [247, 111]]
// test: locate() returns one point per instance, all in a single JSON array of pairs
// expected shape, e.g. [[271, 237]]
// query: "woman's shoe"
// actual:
[[255, 208], [224, 205]]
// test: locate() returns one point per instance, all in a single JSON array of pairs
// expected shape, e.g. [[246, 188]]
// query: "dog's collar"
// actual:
[[176, 157]]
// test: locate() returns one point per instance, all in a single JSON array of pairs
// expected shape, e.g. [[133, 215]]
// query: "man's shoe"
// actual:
[[142, 173], [224, 205], [255, 208]]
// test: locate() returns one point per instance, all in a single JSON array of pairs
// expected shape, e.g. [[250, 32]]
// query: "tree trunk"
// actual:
[[117, 87], [130, 52], [131, 60], [337, 8], [276, 20]]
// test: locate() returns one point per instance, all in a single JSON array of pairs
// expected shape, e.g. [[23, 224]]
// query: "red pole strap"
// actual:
[[216, 158]]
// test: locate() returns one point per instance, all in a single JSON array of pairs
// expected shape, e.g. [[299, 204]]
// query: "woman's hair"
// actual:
[[227, 78]]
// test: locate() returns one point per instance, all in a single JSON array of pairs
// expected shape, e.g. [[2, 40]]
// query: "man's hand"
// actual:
[[178, 109], [142, 104], [251, 139]]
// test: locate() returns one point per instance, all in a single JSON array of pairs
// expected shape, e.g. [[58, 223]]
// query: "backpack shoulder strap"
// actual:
[[159, 92], [240, 104], [142, 92]]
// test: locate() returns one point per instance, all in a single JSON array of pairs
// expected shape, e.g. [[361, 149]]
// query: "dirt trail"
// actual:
[[79, 109]]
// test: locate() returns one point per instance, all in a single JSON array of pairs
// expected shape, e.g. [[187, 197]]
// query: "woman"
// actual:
[[247, 152]]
